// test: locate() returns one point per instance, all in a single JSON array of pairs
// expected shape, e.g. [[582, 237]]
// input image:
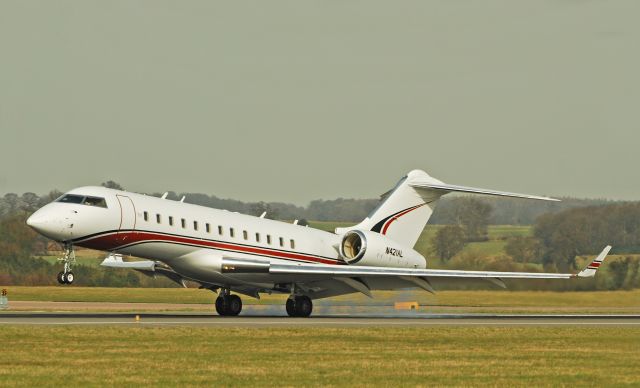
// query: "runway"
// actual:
[[402, 320]]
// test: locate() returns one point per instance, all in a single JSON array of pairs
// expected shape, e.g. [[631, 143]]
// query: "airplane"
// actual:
[[230, 252]]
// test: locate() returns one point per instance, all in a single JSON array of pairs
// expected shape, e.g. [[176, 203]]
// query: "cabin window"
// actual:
[[232, 232], [269, 239], [146, 216], [245, 234], [95, 201], [292, 243], [158, 218], [220, 230], [207, 227], [195, 225], [257, 237], [281, 241], [171, 220], [183, 222]]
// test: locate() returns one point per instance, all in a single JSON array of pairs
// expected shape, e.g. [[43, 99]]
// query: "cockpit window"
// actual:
[[95, 201], [71, 198], [90, 201]]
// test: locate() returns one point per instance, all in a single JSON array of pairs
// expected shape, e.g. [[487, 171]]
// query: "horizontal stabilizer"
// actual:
[[446, 188]]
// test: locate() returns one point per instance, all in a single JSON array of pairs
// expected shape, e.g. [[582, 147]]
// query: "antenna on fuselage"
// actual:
[[164, 196], [295, 222], [263, 214], [183, 197]]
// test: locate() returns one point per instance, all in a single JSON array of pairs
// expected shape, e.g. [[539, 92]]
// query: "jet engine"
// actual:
[[361, 247]]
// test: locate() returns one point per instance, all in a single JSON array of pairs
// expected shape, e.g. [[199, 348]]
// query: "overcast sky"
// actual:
[[299, 100]]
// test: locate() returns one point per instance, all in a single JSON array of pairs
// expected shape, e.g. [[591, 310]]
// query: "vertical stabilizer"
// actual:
[[404, 211]]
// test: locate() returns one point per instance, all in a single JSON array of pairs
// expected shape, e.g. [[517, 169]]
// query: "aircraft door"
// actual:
[[127, 218]]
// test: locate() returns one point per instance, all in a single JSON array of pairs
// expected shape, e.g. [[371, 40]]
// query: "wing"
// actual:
[[358, 277]]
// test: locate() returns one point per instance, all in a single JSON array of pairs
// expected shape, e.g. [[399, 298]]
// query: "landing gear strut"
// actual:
[[299, 306], [228, 305], [69, 259]]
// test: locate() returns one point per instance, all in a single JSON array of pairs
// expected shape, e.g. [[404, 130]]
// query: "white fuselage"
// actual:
[[178, 234]]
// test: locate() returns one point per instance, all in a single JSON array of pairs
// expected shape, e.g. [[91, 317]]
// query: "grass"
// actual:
[[110, 294], [451, 301], [179, 356]]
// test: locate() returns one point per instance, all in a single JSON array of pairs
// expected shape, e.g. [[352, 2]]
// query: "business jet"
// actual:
[[230, 252]]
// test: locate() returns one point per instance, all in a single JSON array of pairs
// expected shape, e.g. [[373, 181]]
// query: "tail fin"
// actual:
[[404, 211]]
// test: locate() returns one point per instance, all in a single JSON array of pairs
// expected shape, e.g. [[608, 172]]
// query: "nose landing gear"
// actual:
[[69, 259]]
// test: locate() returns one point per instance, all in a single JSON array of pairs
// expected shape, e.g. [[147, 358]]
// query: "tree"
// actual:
[[47, 198], [585, 231], [473, 215], [29, 202], [258, 208], [449, 241], [112, 185], [9, 205], [524, 249]]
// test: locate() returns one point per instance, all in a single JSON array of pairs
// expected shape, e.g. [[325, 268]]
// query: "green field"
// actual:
[[179, 356], [498, 236]]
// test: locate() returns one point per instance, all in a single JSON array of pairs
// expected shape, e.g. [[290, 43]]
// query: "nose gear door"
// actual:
[[127, 219]]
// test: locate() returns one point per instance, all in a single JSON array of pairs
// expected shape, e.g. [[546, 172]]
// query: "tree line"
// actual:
[[561, 242], [504, 211], [560, 236]]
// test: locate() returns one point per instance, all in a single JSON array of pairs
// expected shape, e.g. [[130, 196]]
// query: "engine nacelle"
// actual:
[[361, 247]]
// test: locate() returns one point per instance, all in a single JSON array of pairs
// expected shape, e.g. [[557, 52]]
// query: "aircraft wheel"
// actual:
[[68, 277], [234, 306], [304, 306], [60, 277], [291, 307], [221, 305], [300, 306], [228, 305]]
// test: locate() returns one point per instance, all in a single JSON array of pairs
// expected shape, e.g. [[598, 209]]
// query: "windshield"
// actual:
[[81, 199], [71, 198], [95, 201]]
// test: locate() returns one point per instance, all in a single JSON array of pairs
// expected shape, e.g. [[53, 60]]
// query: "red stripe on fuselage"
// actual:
[[114, 241]]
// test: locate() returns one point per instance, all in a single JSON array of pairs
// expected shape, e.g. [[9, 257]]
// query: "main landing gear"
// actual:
[[299, 306], [69, 259], [228, 305]]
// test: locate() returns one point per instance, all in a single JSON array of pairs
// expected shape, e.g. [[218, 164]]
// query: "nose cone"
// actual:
[[35, 221], [46, 222]]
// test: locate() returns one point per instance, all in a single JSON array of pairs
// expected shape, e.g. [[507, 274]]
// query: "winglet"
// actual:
[[595, 264]]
